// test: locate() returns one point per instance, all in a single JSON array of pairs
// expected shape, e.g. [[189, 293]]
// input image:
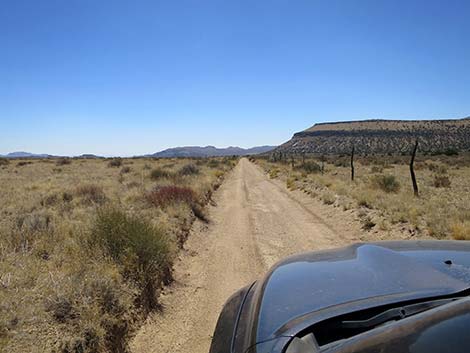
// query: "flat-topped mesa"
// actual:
[[382, 137]]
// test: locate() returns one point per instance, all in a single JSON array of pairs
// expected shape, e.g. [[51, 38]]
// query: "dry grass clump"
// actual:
[[441, 181], [376, 169], [91, 194], [461, 230], [67, 196], [290, 183], [219, 173], [341, 162], [273, 173], [133, 184], [125, 170], [438, 225], [365, 199], [98, 311], [328, 197], [28, 228], [437, 168], [50, 200], [367, 223], [61, 309]]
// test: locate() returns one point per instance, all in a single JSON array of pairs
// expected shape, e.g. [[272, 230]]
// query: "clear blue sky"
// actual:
[[130, 77]]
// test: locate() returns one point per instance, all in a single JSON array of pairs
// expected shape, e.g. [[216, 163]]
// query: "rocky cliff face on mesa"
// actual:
[[381, 137]]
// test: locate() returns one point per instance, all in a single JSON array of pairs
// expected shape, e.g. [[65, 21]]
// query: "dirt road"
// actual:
[[256, 222]]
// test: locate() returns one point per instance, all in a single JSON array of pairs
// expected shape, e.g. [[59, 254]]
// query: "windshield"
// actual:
[[431, 326]]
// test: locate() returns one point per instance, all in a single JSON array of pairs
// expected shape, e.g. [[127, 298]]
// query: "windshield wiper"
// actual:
[[394, 314]]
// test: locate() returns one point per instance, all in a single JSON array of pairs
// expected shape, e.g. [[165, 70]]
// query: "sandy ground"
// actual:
[[254, 223]]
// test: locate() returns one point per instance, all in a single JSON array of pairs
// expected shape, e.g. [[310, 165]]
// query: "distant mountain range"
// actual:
[[43, 155], [381, 137], [192, 151], [26, 155], [209, 151], [89, 156]]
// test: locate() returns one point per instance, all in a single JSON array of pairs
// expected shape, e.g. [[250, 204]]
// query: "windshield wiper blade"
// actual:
[[394, 314]]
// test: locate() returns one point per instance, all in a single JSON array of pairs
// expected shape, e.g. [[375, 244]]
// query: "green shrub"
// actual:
[[141, 250], [4, 161], [310, 167], [189, 169], [451, 152], [63, 161], [213, 163], [115, 162], [230, 159], [159, 173], [387, 183]]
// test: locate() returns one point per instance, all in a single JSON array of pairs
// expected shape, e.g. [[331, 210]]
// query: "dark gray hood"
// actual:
[[314, 286]]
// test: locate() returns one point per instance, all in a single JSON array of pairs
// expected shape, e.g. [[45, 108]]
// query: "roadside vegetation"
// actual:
[[381, 194], [86, 245]]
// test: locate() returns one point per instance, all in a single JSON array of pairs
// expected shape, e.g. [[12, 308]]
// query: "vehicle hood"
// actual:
[[318, 285]]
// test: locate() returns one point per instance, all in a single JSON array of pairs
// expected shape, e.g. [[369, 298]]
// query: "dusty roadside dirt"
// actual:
[[255, 223]]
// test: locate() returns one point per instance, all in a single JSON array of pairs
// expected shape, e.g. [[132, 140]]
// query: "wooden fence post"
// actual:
[[412, 172], [352, 163]]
